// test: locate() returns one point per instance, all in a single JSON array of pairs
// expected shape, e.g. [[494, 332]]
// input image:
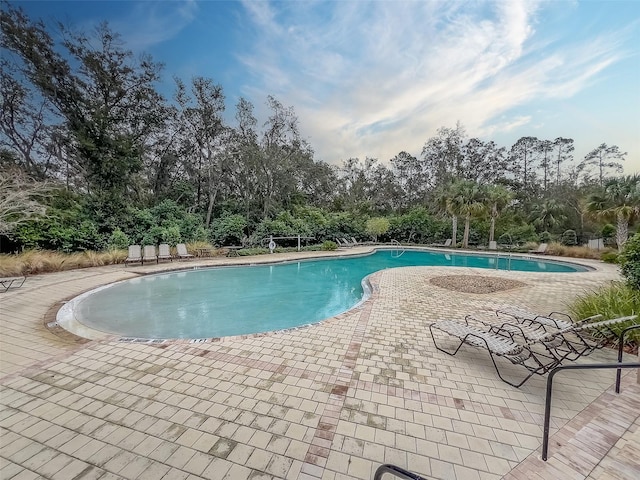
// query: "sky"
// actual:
[[374, 78]]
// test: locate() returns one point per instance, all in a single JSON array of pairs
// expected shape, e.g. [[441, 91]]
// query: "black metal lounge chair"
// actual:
[[11, 282], [498, 345]]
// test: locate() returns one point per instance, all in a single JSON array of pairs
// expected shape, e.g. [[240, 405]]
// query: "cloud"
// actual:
[[150, 23], [374, 78]]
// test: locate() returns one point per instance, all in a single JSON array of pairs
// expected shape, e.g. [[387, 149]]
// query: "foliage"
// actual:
[[228, 230], [545, 237], [377, 226], [520, 234], [630, 262], [616, 300], [328, 245], [118, 240], [569, 238], [610, 257], [32, 262]]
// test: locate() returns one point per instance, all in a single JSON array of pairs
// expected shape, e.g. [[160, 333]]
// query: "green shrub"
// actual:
[[377, 226], [569, 238], [630, 262], [329, 245], [545, 237], [228, 230], [118, 240], [610, 257], [616, 300], [172, 235]]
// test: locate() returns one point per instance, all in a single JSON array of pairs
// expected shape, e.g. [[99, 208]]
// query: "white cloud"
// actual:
[[154, 22], [374, 78]]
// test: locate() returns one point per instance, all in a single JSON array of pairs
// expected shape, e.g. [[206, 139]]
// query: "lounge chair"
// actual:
[[570, 340], [348, 243], [447, 243], [164, 252], [342, 243], [11, 282], [182, 251], [493, 245], [541, 250], [135, 254], [149, 254], [524, 354]]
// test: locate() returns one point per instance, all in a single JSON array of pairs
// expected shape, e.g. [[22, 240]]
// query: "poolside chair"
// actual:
[[149, 254], [135, 255], [164, 252], [573, 338], [342, 243], [11, 282], [523, 354], [542, 249], [447, 243], [493, 245], [182, 251], [347, 243]]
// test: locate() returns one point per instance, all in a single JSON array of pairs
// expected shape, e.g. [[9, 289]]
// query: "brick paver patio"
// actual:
[[329, 401]]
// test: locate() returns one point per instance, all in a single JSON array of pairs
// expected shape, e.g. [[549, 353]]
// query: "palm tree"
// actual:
[[497, 198], [444, 197], [619, 201], [467, 201], [548, 213]]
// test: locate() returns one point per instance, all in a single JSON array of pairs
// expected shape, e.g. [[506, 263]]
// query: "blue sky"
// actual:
[[373, 78]]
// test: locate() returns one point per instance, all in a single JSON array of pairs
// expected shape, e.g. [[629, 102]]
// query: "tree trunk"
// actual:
[[465, 237], [622, 231], [454, 230]]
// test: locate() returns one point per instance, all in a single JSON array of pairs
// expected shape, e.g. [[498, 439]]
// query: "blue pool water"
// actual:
[[217, 302]]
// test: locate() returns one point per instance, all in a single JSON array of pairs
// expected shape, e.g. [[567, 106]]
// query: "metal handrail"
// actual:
[[620, 348], [547, 407], [396, 471], [396, 242]]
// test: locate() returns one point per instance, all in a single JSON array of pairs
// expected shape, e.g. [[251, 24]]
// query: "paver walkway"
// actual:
[[331, 401]]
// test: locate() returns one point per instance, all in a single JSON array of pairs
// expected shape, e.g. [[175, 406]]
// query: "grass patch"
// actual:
[[32, 262], [616, 300]]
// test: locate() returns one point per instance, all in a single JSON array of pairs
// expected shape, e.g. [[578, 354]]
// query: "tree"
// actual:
[[20, 199], [483, 162], [467, 201], [547, 214], [497, 198], [377, 226], [105, 97], [618, 201], [412, 177], [563, 148], [201, 116], [443, 156], [545, 148], [603, 158], [522, 156]]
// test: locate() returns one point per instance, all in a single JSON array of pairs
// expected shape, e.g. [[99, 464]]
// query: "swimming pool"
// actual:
[[224, 301]]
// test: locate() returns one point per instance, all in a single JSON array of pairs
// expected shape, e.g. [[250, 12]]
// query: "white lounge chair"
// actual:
[[135, 254], [182, 251], [164, 252], [149, 254], [542, 249], [447, 243]]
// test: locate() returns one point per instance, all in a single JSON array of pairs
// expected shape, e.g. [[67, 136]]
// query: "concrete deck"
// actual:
[[330, 401]]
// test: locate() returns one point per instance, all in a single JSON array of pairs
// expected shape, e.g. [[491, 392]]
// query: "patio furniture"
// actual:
[[149, 254], [232, 250], [541, 250], [135, 254], [181, 249], [11, 282], [571, 341], [447, 243], [164, 252], [523, 354]]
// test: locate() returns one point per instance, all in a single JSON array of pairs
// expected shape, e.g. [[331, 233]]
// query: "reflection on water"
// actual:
[[232, 301]]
